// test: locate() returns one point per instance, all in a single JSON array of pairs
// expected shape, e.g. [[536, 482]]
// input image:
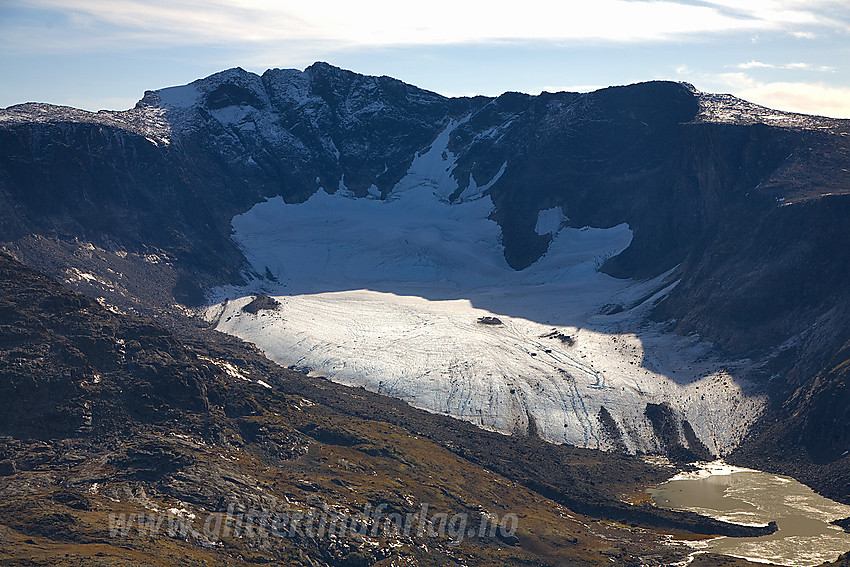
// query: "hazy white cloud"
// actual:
[[385, 23], [807, 98], [800, 66], [831, 13], [755, 65]]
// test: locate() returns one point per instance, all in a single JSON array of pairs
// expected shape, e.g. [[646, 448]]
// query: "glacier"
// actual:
[[410, 295]]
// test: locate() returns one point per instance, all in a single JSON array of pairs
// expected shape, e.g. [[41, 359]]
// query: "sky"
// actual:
[[103, 54]]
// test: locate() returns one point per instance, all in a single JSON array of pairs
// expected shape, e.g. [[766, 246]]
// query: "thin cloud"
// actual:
[[755, 65], [828, 13], [804, 97], [384, 23], [799, 66], [809, 98]]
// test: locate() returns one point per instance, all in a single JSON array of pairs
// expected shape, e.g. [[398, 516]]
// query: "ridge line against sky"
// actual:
[[786, 54]]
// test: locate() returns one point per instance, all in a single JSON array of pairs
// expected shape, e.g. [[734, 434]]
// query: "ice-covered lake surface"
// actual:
[[744, 496], [410, 295]]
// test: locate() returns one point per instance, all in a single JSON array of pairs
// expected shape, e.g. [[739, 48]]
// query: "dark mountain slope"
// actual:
[[807, 435]]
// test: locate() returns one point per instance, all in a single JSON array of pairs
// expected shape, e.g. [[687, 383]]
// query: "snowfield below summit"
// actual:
[[410, 296]]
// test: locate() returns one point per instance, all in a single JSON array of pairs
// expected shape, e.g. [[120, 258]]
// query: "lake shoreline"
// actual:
[[808, 525]]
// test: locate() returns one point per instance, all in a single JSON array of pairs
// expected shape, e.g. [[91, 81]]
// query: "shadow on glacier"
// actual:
[[417, 244]]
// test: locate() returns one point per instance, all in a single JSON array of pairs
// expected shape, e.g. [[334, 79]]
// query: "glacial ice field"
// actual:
[[410, 296]]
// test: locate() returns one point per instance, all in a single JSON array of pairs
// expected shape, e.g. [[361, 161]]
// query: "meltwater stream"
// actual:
[[805, 536]]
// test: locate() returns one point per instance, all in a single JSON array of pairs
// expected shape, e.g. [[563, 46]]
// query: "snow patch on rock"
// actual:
[[549, 221]]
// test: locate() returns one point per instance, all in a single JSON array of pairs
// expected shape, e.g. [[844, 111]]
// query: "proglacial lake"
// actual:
[[746, 496]]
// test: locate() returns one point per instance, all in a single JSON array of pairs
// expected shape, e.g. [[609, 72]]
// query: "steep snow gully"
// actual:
[[411, 296]]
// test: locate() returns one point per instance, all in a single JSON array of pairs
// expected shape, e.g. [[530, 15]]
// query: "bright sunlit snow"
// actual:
[[411, 297]]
